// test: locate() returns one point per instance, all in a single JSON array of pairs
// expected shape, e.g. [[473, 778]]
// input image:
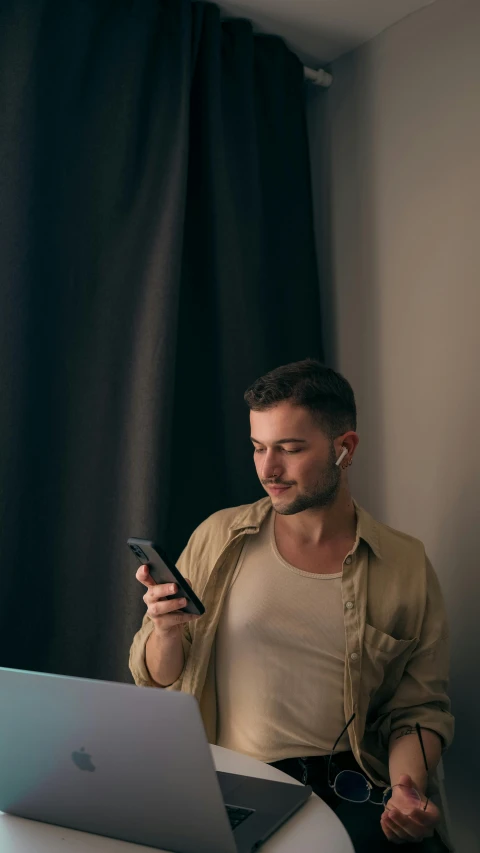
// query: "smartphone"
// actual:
[[164, 570]]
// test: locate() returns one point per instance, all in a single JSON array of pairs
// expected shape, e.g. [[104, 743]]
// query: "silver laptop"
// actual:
[[130, 763]]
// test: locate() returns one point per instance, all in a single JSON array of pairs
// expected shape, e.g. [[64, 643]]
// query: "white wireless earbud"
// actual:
[[342, 456]]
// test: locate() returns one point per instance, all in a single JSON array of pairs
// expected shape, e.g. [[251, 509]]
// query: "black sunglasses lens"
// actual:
[[352, 786]]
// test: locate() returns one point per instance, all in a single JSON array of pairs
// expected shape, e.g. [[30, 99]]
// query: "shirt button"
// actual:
[[354, 656], [348, 561], [349, 605]]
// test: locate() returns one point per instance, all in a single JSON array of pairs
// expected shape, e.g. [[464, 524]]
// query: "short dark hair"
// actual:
[[311, 385]]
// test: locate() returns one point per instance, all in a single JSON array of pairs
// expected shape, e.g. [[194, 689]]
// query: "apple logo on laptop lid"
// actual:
[[83, 760]]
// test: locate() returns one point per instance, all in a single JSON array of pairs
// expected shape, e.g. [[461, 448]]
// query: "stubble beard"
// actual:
[[320, 495]]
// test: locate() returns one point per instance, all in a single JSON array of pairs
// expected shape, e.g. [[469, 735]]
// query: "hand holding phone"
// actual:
[[170, 599], [165, 611]]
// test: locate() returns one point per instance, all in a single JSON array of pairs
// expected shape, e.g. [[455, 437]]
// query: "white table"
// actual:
[[313, 829]]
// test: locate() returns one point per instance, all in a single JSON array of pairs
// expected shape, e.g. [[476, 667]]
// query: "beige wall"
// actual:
[[396, 142]]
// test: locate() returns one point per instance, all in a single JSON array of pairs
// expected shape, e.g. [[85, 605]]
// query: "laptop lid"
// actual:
[[111, 759]]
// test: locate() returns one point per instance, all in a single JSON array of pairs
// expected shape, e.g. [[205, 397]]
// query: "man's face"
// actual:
[[292, 453]]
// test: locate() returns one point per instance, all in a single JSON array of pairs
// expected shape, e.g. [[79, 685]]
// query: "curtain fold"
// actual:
[[156, 255]]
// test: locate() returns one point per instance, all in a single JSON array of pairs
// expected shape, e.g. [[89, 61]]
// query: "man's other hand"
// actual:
[[404, 819]]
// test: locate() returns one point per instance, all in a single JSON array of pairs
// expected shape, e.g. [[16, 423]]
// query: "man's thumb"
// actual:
[[406, 780], [143, 575]]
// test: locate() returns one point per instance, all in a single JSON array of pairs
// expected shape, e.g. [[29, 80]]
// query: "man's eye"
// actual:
[[261, 450]]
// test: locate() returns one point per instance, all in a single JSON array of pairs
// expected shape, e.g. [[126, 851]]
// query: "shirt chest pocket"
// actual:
[[384, 661]]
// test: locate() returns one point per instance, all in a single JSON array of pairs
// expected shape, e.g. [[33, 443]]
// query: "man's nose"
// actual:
[[271, 468]]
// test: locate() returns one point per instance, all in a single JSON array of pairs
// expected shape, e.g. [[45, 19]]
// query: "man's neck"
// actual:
[[316, 527]]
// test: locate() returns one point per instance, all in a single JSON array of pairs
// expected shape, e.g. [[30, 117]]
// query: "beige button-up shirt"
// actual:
[[396, 659]]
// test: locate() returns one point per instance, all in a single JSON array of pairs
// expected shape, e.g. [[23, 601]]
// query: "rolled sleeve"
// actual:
[[421, 696], [137, 659]]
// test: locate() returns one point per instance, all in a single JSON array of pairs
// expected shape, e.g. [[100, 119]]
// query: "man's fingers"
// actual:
[[143, 575], [424, 818], [417, 824], [392, 832], [165, 612], [165, 605], [405, 827], [161, 592]]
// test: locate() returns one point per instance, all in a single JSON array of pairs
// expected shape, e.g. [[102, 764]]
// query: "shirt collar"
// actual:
[[367, 529], [252, 516]]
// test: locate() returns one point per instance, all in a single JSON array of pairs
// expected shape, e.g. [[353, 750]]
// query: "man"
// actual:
[[316, 615]]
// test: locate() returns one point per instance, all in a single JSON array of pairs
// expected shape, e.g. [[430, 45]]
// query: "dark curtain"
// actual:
[[156, 256]]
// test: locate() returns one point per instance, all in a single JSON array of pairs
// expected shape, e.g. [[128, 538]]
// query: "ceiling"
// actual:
[[321, 30]]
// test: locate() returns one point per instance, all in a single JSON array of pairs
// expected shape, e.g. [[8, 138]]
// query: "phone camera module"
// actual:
[[140, 554]]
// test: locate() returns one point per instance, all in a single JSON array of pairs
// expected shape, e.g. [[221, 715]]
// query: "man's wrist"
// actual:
[[164, 658], [169, 638], [420, 784], [405, 756]]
